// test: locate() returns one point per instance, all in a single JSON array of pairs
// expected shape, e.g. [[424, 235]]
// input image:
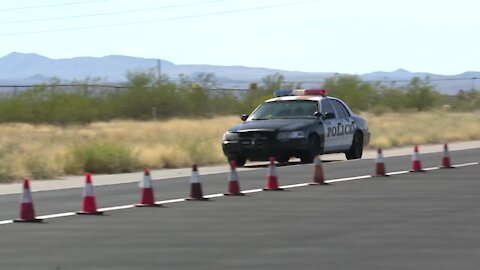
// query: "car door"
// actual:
[[332, 140], [345, 124]]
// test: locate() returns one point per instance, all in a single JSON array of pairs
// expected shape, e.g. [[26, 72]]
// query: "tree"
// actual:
[[350, 88], [273, 82], [421, 95]]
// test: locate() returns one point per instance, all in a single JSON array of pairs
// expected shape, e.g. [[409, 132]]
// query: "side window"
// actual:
[[341, 110], [326, 107]]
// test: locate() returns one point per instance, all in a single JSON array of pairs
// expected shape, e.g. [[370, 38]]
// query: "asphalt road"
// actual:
[[405, 221]]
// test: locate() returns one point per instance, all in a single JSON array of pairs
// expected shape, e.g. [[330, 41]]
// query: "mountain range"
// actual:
[[29, 68]]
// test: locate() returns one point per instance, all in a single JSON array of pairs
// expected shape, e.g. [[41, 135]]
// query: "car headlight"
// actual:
[[291, 135], [230, 136]]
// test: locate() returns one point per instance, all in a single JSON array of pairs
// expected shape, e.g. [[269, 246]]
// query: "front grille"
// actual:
[[265, 135]]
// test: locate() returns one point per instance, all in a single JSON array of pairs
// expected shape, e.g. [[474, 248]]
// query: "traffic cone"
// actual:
[[446, 158], [380, 164], [416, 163], [27, 212], [318, 178], [233, 184], [147, 198], [196, 193], [272, 179], [89, 206]]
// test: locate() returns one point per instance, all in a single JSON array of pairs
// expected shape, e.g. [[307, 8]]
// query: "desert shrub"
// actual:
[[98, 157]]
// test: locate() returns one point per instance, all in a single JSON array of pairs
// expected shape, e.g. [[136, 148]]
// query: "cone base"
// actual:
[[197, 199], [273, 189], [36, 220], [98, 213], [148, 205], [234, 194], [318, 184]]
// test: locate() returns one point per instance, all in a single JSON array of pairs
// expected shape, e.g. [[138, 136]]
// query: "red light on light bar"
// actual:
[[316, 92]]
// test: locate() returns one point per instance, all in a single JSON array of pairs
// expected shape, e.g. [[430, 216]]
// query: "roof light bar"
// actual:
[[310, 92], [282, 93]]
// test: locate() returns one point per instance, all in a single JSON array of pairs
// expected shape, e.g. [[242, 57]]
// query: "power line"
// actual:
[[162, 19], [110, 13], [52, 5]]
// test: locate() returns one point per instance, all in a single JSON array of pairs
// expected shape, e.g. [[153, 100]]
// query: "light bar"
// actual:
[[310, 92], [282, 93]]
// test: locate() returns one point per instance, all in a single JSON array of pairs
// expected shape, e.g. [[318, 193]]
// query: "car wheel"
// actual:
[[283, 159], [239, 160], [314, 149], [356, 150]]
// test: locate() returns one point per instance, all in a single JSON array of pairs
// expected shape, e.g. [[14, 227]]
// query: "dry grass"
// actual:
[[399, 129], [44, 151]]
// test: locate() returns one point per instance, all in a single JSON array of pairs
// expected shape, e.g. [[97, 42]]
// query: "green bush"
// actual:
[[98, 157]]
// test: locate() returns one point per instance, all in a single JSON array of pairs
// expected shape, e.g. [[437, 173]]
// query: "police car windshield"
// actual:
[[285, 109]]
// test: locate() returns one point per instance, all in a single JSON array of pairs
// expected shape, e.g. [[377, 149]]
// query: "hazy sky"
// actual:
[[348, 36]]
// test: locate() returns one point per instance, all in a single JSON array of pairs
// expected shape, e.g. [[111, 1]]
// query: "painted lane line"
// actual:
[[465, 164], [171, 201], [399, 172], [120, 207], [431, 168], [214, 195], [66, 214], [349, 178], [295, 185], [252, 190], [57, 215]]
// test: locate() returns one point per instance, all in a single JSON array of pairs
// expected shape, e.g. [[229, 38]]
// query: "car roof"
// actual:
[[287, 98]]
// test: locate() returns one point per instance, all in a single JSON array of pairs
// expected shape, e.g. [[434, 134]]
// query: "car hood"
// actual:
[[272, 125]]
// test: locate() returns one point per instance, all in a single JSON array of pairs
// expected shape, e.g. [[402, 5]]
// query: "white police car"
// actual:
[[300, 123]]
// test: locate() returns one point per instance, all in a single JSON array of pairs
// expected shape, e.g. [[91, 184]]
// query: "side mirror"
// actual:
[[318, 114], [328, 115], [244, 117]]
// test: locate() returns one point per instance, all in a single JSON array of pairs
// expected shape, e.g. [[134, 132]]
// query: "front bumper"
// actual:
[[261, 149]]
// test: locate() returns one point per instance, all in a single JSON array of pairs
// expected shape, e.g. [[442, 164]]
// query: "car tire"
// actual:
[[356, 150], [239, 160], [283, 159], [314, 150]]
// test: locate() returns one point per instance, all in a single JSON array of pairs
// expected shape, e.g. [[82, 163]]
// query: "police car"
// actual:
[[300, 123]]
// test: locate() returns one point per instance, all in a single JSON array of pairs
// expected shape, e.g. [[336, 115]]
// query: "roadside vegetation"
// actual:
[[50, 130]]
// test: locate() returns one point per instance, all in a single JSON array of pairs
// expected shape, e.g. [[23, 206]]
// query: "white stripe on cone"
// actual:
[[146, 182], [195, 177], [380, 156], [233, 176], [26, 196], [273, 169], [88, 190]]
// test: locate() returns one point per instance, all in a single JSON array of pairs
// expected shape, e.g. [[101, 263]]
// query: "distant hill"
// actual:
[[28, 68]]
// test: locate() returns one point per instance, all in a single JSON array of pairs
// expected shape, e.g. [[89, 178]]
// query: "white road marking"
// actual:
[[113, 208], [399, 172], [465, 164], [349, 178], [57, 215]]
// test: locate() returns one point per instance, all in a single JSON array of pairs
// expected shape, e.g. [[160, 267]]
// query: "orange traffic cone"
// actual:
[[233, 184], [272, 179], [446, 158], [196, 192], [27, 212], [318, 178], [147, 198], [89, 206], [416, 163], [380, 164]]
